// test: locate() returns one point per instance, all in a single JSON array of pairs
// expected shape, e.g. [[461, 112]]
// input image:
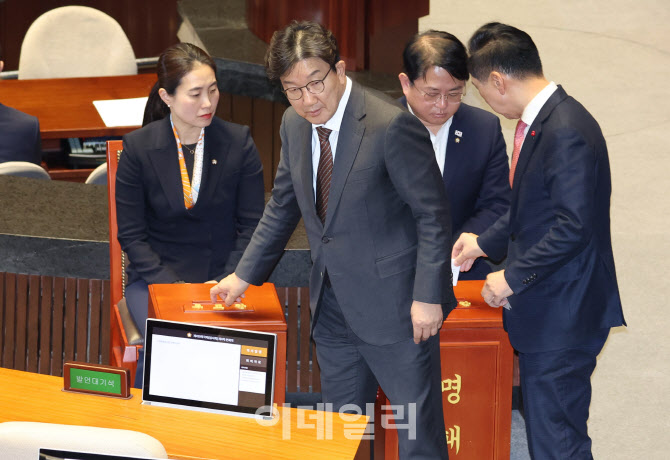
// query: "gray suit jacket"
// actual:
[[386, 239]]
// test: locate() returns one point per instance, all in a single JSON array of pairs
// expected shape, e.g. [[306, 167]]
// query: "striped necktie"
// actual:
[[324, 173]]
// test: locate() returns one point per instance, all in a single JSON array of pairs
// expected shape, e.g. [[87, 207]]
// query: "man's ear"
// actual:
[[2, 65], [340, 70], [405, 83], [499, 82]]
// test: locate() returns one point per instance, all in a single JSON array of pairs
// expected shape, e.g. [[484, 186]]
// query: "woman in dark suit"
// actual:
[[189, 186]]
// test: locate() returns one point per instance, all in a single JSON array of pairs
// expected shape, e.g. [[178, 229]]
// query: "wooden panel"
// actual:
[[58, 327], [345, 18], [40, 332], [94, 321], [242, 110], [292, 341], [105, 324], [151, 25], [371, 35], [70, 329], [224, 109], [2, 314], [390, 25], [34, 294], [261, 131], [21, 307], [305, 345], [81, 324], [45, 325], [278, 114], [9, 325]]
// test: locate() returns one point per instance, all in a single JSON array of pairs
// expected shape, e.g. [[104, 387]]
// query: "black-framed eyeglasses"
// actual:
[[434, 98], [314, 87]]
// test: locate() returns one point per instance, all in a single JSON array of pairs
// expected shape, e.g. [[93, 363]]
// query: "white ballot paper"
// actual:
[[454, 272], [122, 112]]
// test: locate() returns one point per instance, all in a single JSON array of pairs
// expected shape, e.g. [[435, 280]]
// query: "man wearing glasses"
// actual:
[[468, 143], [361, 173]]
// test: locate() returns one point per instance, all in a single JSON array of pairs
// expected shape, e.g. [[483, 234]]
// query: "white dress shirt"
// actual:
[[535, 105], [334, 125]]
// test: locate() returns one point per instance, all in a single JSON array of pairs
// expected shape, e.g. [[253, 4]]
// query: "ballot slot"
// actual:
[[207, 306]]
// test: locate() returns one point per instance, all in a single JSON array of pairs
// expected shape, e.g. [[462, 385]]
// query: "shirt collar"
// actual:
[[536, 104], [440, 132], [336, 120]]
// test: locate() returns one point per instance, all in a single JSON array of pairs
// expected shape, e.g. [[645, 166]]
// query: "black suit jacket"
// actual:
[[19, 136], [164, 241], [557, 233], [386, 238], [475, 176]]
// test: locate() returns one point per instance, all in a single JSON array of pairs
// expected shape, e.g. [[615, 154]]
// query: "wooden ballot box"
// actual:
[[476, 383], [174, 302]]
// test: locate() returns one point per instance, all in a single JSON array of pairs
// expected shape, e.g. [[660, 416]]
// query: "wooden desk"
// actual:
[[477, 362], [185, 434], [166, 301], [64, 106]]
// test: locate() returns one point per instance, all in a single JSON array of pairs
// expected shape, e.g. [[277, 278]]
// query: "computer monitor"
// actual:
[[53, 454], [210, 368]]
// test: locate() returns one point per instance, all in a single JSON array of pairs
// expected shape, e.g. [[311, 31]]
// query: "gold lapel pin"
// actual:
[[458, 139], [213, 162]]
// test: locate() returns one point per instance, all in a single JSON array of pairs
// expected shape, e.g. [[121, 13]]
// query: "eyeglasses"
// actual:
[[314, 87], [434, 98]]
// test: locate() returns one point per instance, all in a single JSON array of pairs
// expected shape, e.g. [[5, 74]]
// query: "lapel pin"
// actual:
[[214, 161], [458, 139], [458, 133], [532, 133]]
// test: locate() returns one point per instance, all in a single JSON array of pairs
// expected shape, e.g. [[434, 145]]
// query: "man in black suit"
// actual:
[[362, 174], [468, 142], [559, 287], [19, 134]]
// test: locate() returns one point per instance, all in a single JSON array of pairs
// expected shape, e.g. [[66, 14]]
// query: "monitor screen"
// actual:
[[53, 454], [210, 368]]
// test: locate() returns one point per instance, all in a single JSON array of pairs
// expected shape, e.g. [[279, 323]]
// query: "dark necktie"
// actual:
[[323, 173]]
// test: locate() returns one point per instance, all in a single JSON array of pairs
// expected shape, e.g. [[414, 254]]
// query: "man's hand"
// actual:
[[465, 251], [496, 290], [426, 319], [230, 289]]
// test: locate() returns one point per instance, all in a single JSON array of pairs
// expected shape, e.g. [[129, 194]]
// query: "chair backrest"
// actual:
[[23, 169], [75, 41], [23, 440], [98, 176], [117, 269]]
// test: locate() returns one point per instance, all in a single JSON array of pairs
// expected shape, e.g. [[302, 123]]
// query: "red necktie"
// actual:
[[323, 173], [518, 140]]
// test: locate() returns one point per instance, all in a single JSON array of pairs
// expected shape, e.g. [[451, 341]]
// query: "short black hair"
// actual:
[[503, 48], [435, 48], [299, 41]]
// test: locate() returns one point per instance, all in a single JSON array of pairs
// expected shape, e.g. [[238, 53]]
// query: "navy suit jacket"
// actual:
[[557, 233], [386, 238], [19, 136], [166, 242], [475, 176]]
